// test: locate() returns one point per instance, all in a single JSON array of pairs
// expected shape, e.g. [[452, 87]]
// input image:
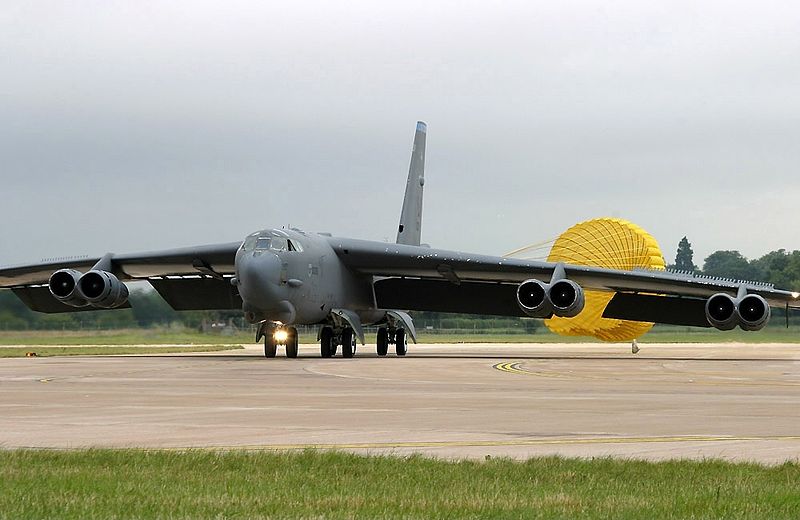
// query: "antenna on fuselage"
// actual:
[[410, 230]]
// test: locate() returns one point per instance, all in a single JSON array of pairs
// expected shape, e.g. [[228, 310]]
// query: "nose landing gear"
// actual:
[[275, 335]]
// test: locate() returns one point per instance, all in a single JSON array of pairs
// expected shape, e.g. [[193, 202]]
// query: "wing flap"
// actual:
[[668, 310], [196, 294], [442, 296]]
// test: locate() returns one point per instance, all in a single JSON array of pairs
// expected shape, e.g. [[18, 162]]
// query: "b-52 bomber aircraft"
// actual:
[[284, 277]]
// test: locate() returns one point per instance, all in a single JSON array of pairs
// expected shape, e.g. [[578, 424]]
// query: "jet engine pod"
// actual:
[[532, 298], [721, 312], [103, 289], [567, 298], [63, 285], [754, 312]]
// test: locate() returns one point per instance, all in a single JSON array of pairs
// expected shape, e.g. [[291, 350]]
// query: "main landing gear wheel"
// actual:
[[326, 346], [270, 345], [292, 343], [383, 341], [348, 343], [401, 342]]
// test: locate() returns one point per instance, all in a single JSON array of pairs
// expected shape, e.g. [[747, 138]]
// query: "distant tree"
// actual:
[[780, 267], [774, 268], [684, 257], [150, 309], [729, 264]]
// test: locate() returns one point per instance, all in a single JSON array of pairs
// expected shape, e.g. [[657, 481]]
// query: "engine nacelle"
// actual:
[[754, 312], [538, 299], [103, 289], [721, 312], [64, 287], [567, 298], [750, 312], [532, 298]]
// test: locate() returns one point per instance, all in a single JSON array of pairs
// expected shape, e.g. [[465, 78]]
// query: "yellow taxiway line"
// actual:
[[513, 368]]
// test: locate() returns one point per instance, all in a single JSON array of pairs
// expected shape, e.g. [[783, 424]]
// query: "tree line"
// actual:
[[780, 267]]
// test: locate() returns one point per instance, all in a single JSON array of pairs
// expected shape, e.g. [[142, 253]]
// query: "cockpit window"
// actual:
[[249, 243], [270, 241], [263, 243], [279, 244]]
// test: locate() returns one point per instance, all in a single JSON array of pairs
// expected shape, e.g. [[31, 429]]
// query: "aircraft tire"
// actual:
[[348, 343], [326, 347], [383, 341], [292, 343], [401, 342], [270, 347]]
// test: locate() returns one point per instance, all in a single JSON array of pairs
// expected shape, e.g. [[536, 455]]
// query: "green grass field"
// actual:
[[47, 351], [202, 484], [119, 337]]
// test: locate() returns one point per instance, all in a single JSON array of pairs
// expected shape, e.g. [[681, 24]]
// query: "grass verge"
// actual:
[[119, 337], [208, 484], [47, 351]]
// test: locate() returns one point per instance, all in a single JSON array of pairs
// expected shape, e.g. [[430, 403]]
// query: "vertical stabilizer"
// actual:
[[410, 228]]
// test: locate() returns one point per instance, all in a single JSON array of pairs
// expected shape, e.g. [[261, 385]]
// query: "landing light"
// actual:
[[280, 335]]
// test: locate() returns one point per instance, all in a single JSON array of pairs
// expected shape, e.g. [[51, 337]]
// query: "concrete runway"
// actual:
[[736, 402]]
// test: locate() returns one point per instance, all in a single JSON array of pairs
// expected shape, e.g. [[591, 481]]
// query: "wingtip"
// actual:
[[422, 127]]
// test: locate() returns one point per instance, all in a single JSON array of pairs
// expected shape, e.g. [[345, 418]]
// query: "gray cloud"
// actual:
[[138, 125]]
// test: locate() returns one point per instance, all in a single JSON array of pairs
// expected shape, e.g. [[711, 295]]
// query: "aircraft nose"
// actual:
[[259, 280]]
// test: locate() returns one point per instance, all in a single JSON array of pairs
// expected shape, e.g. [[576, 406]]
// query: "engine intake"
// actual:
[[567, 298], [532, 298], [103, 289], [721, 312], [750, 312], [754, 312], [538, 299], [63, 286]]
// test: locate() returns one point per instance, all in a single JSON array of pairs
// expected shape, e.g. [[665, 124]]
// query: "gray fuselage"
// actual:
[[293, 277]]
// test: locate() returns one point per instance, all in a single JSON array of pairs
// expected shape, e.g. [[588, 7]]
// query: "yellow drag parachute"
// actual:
[[611, 243]]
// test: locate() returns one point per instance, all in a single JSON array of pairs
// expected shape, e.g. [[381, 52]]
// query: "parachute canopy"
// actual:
[[604, 242]]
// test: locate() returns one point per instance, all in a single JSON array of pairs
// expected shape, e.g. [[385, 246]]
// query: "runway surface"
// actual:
[[735, 402]]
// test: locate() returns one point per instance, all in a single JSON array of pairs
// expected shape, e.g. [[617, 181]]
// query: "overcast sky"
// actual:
[[128, 126]]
